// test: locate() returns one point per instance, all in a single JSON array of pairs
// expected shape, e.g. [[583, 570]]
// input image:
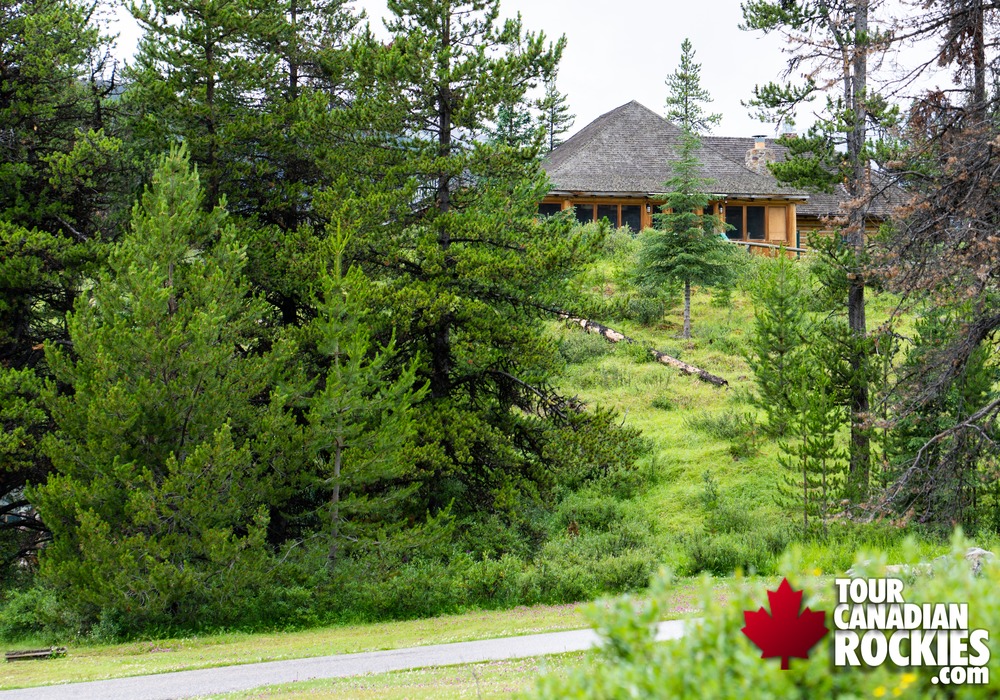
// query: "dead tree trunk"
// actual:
[[617, 337]]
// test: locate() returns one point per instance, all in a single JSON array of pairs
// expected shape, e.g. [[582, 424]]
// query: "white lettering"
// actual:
[[874, 648], [977, 640], [845, 645]]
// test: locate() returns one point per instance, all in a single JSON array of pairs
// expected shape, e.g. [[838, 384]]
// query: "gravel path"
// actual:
[[187, 684]]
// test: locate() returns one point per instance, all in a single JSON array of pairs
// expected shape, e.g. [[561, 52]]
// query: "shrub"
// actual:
[[663, 403], [714, 659], [742, 431], [580, 346]]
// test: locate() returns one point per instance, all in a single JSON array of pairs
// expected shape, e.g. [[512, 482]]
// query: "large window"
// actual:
[[753, 222], [584, 213], [548, 209], [609, 212], [629, 215], [632, 217]]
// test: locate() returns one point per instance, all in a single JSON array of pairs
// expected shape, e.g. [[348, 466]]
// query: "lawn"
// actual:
[[87, 662]]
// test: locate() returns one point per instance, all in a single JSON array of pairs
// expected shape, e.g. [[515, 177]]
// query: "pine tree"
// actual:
[[814, 464], [513, 127], [941, 476], [195, 78], [554, 116], [685, 246], [779, 340], [836, 40], [167, 446], [59, 190], [362, 430], [468, 270]]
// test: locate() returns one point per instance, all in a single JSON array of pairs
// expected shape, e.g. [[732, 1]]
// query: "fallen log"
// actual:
[[28, 654], [617, 337]]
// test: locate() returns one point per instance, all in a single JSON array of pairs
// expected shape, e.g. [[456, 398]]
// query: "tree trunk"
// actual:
[[687, 309], [335, 499], [857, 187], [441, 335]]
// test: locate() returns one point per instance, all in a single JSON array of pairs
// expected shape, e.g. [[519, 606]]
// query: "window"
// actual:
[[629, 215], [609, 212], [734, 217], [753, 222], [548, 209], [632, 217]]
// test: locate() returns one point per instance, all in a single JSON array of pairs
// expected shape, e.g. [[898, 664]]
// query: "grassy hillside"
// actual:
[[715, 469]]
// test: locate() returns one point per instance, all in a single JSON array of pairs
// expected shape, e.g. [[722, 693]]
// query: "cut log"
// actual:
[[29, 654], [617, 337]]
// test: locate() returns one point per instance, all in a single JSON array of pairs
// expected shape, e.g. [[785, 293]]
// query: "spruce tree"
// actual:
[[168, 442], [685, 246], [554, 115]]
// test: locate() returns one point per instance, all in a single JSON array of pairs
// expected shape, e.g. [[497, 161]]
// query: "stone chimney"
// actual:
[[759, 156]]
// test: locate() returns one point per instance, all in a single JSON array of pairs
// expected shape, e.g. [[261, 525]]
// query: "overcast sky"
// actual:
[[622, 50]]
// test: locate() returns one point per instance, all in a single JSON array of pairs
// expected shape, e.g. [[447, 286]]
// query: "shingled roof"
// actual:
[[629, 151]]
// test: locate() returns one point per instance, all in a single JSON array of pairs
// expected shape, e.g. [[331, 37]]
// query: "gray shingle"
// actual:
[[630, 149]]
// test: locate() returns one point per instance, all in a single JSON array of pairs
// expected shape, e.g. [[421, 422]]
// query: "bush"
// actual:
[[581, 346], [33, 613], [742, 431], [715, 660], [663, 403]]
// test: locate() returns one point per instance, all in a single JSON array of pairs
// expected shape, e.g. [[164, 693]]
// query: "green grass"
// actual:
[[689, 423], [96, 662]]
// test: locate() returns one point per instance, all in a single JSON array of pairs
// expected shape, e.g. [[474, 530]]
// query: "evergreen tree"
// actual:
[[779, 340], [196, 77], [835, 40], [362, 432], [555, 116], [685, 246], [937, 471], [814, 464], [168, 448], [467, 267], [513, 127], [59, 188], [686, 97]]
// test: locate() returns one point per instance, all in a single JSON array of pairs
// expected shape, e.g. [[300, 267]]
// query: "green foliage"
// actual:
[[361, 433], [813, 461], [951, 477], [714, 658], [166, 448], [579, 346], [685, 246], [686, 96], [741, 431], [554, 115], [779, 340]]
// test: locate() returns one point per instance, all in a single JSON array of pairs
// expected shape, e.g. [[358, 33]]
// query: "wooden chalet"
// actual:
[[616, 167]]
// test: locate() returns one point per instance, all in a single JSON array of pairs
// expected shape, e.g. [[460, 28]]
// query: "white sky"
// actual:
[[623, 50]]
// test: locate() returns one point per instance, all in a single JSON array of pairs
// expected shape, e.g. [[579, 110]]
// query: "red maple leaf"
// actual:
[[785, 632]]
